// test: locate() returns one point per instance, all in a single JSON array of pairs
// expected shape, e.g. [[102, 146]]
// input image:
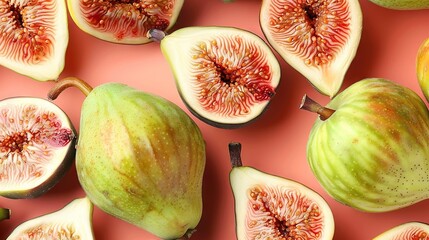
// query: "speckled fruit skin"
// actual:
[[141, 158], [402, 4], [422, 67], [372, 153]]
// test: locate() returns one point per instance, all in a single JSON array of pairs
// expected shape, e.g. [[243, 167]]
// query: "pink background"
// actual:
[[274, 144]]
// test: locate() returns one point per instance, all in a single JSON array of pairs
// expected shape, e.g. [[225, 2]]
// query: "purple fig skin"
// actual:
[[372, 153], [141, 159]]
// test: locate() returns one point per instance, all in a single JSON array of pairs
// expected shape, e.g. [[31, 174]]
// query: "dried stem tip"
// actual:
[[312, 106], [156, 35], [67, 82], [235, 154]]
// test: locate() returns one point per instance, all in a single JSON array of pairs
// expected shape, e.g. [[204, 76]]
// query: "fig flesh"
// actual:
[[226, 76], [402, 4], [272, 207], [124, 22], [318, 38], [34, 37], [406, 231], [370, 147], [140, 158], [422, 67], [4, 213], [36, 146], [74, 221]]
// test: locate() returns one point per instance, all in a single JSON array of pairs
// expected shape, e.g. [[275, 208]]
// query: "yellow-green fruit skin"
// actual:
[[422, 64], [4, 213], [403, 4], [372, 153], [141, 158]]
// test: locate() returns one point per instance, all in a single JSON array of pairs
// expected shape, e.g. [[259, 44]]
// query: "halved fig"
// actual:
[[34, 37], [406, 231], [37, 146], [319, 38], [226, 76], [124, 22], [4, 213], [74, 221], [272, 207]]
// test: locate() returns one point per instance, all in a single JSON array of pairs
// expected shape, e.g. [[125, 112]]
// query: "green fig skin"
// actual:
[[141, 159], [4, 213], [372, 153], [402, 4]]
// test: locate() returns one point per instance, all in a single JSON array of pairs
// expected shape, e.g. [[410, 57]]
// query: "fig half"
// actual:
[[36, 146], [74, 221], [406, 231], [319, 38], [124, 22], [226, 76], [272, 207], [34, 37]]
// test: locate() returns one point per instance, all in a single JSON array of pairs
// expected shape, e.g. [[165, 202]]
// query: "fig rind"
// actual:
[[402, 4], [51, 156], [406, 231], [322, 52], [73, 221], [226, 76], [133, 29], [372, 152], [141, 159], [45, 60]]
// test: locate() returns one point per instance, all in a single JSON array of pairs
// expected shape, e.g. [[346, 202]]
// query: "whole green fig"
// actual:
[[141, 158], [370, 147]]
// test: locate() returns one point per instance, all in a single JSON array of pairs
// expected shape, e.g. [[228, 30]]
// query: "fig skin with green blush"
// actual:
[[225, 76]]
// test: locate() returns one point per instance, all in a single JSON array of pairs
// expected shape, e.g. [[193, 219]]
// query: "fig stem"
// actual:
[[156, 35], [67, 82], [310, 105], [235, 154]]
